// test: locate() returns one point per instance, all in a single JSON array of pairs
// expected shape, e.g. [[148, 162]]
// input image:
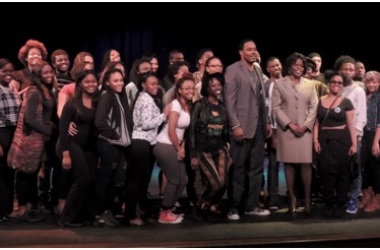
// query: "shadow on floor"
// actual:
[[280, 229]]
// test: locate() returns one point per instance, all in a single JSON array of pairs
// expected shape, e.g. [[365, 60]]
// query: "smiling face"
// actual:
[[114, 56], [34, 57], [296, 69], [6, 74], [249, 52], [62, 63], [336, 84], [187, 90], [274, 68], [151, 85], [89, 84], [214, 66], [47, 74], [215, 88], [154, 64], [372, 86], [116, 82]]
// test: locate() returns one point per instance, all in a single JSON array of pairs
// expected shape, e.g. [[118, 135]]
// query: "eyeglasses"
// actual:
[[336, 82], [216, 65]]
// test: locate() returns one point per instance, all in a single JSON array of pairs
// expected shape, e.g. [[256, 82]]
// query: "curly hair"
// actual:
[[342, 60], [207, 80], [30, 44]]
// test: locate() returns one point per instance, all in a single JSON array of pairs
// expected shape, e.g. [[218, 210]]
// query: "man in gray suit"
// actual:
[[245, 104]]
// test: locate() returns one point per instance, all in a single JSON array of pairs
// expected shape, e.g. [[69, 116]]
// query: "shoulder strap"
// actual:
[[328, 111], [21, 92]]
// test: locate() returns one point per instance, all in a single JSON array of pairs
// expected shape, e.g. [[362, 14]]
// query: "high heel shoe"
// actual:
[[309, 212], [308, 208], [292, 211], [292, 206]]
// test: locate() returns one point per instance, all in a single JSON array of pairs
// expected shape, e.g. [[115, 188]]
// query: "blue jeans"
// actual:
[[356, 183]]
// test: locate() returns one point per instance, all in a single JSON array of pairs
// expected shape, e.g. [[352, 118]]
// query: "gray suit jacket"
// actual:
[[241, 100]]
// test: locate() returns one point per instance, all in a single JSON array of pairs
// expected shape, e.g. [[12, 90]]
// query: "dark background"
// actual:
[[134, 29]]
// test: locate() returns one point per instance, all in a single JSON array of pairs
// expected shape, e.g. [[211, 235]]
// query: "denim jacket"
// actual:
[[373, 112]]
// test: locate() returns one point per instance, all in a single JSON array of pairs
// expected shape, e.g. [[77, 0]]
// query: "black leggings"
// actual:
[[7, 174], [26, 188], [81, 195], [138, 176]]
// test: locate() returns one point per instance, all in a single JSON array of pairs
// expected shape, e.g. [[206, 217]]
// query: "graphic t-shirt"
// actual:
[[215, 128]]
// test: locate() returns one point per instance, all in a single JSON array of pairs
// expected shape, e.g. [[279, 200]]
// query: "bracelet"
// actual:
[[236, 126]]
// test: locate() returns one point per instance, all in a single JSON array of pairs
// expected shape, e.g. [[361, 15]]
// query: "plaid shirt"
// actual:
[[10, 103]]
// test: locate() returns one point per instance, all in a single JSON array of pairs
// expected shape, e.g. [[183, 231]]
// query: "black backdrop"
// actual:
[[331, 29]]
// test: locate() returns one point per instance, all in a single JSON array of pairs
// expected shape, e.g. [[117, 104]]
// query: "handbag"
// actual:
[[27, 145]]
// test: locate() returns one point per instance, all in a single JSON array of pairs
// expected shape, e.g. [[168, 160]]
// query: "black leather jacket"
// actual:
[[198, 125]]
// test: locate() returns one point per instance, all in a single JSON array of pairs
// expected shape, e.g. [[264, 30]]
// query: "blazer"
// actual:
[[240, 98]]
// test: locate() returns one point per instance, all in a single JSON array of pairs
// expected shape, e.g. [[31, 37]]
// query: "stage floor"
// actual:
[[280, 229]]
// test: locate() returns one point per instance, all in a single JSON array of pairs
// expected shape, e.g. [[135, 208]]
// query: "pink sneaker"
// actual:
[[168, 217]]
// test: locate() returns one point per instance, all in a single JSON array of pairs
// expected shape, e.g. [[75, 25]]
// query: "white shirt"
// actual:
[[183, 123], [131, 90], [358, 98]]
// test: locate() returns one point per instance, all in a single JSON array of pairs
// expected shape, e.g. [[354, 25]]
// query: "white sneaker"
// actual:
[[258, 211], [233, 215]]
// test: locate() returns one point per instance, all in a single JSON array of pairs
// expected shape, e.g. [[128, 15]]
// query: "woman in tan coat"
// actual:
[[294, 105]]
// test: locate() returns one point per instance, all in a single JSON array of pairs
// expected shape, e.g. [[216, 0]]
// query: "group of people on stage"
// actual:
[[207, 131]]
